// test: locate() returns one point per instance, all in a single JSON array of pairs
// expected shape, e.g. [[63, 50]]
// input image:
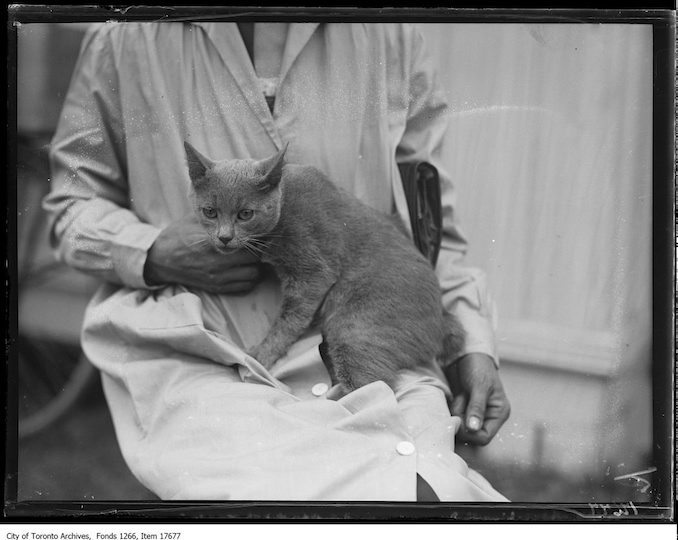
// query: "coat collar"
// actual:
[[227, 41], [229, 44], [297, 37]]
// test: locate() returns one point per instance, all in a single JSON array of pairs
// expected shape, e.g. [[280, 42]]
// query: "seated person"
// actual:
[[195, 417]]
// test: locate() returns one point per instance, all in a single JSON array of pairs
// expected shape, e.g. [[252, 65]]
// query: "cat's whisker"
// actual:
[[258, 243], [257, 240], [248, 250], [254, 250], [198, 242]]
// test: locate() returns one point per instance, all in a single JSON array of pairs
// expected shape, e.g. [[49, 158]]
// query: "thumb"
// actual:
[[458, 405], [475, 412]]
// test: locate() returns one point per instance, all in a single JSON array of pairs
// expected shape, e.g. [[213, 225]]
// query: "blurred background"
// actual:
[[550, 147]]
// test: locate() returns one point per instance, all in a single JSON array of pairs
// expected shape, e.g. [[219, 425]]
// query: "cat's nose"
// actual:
[[225, 238]]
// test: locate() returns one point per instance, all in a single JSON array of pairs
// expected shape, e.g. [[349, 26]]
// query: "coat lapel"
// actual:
[[297, 37], [231, 48]]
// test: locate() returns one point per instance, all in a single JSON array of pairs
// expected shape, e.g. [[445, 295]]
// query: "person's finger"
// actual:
[[248, 272], [458, 407], [235, 287], [478, 438], [475, 411], [488, 430], [218, 259], [492, 426], [242, 257], [496, 414]]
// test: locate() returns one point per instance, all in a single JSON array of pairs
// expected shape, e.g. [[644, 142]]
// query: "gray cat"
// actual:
[[341, 265]]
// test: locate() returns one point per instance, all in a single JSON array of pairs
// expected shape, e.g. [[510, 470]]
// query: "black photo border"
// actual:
[[663, 291]]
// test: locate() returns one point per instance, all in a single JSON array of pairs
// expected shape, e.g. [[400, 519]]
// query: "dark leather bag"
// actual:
[[421, 183]]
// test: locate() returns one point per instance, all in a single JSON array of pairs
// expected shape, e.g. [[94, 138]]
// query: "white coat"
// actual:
[[195, 416]]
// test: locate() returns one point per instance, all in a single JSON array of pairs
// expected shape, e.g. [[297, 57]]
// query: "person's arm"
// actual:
[[92, 226], [479, 396]]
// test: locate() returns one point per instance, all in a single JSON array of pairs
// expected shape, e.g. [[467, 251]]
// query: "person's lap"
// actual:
[[197, 418]]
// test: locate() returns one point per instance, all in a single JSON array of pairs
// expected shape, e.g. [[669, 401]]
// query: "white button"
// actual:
[[319, 389], [405, 448]]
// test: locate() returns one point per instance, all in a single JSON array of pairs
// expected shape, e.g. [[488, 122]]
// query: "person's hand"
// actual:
[[182, 254], [478, 398]]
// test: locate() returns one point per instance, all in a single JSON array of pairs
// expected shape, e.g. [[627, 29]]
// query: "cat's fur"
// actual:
[[341, 264]]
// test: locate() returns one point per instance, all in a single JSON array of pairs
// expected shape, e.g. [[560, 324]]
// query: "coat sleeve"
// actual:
[[92, 228], [465, 291]]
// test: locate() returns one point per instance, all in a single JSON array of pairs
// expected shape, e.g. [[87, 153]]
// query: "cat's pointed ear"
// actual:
[[197, 163], [272, 170]]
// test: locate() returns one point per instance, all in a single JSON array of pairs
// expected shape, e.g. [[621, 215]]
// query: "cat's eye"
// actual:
[[210, 213], [245, 214]]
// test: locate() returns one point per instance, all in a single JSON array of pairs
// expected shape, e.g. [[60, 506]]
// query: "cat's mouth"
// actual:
[[222, 248]]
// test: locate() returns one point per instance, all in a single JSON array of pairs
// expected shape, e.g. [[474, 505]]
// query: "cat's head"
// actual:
[[237, 201]]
